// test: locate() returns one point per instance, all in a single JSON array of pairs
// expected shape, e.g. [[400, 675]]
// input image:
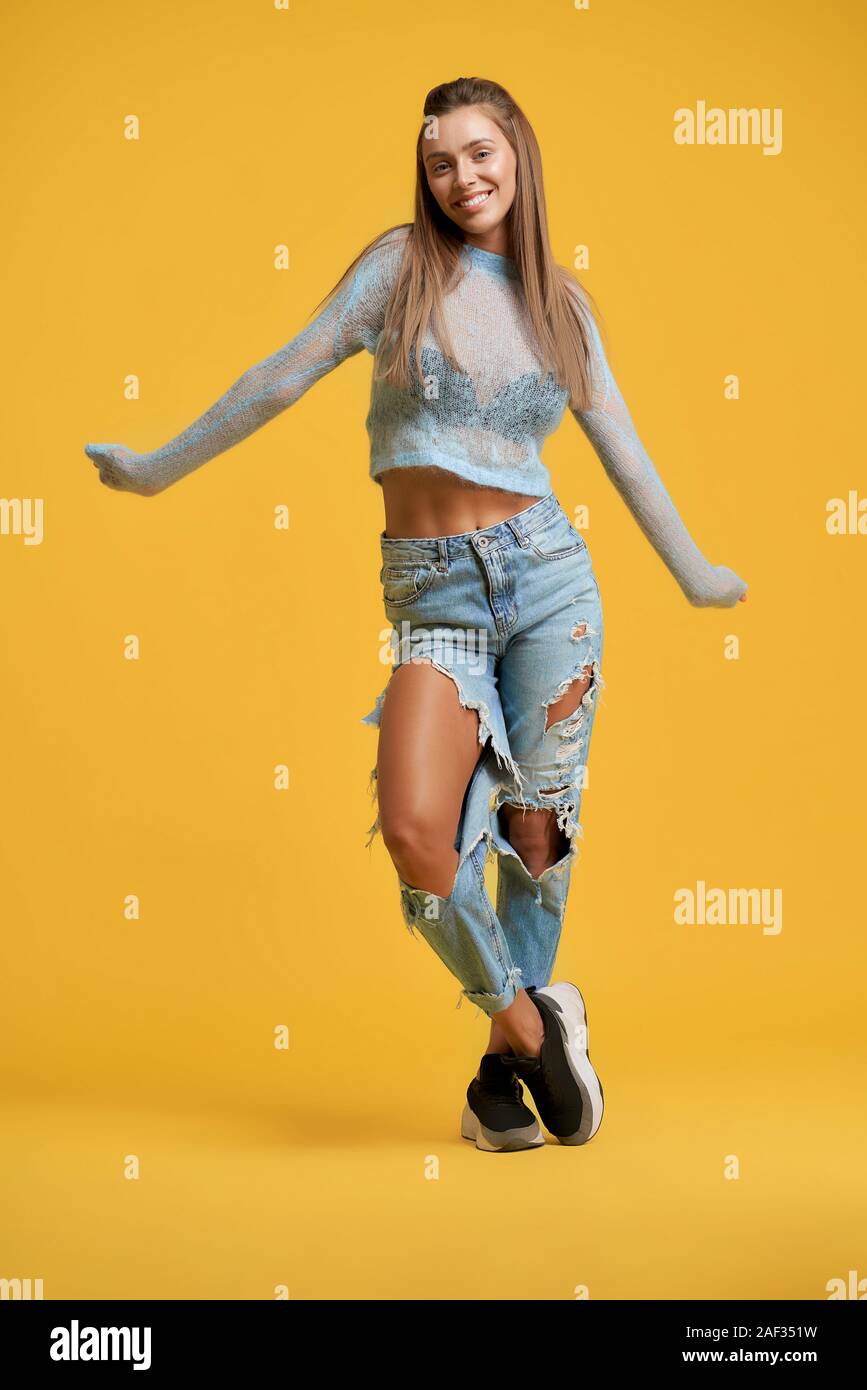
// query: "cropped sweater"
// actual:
[[485, 423]]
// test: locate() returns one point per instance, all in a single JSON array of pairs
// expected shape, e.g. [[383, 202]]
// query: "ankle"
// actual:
[[527, 1042]]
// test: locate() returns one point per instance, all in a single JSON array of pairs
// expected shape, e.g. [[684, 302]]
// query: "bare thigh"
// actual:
[[428, 750]]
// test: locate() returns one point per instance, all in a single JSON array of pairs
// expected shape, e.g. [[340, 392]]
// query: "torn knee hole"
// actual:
[[526, 823], [564, 805], [570, 701], [536, 835]]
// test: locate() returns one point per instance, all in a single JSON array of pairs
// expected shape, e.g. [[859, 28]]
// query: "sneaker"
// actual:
[[495, 1115], [562, 1082]]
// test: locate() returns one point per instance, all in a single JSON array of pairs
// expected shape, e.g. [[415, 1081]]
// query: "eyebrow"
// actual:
[[479, 140]]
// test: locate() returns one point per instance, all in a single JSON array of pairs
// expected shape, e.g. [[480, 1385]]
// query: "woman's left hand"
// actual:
[[121, 468]]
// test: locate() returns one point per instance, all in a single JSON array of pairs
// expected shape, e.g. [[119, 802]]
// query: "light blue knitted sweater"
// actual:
[[486, 423]]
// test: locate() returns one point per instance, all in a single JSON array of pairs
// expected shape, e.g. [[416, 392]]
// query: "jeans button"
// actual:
[[483, 542]]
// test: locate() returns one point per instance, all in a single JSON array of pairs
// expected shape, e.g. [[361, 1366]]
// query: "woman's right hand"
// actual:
[[724, 590], [123, 469]]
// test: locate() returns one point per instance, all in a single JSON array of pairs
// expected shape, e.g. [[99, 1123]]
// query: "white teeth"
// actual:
[[473, 202]]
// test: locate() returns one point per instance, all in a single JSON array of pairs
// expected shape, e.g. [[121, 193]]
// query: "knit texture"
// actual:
[[486, 423]]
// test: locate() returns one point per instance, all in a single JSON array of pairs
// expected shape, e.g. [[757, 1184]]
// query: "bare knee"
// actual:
[[414, 835], [527, 828], [422, 849], [535, 837]]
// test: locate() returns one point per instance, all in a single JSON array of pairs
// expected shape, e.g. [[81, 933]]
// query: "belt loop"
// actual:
[[517, 530], [443, 547]]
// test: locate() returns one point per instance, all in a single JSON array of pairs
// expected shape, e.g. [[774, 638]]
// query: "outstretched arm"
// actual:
[[349, 322], [608, 425]]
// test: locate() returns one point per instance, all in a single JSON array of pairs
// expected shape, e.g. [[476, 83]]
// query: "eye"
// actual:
[[486, 151]]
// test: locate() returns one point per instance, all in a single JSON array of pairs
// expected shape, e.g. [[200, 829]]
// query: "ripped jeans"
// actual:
[[513, 615]]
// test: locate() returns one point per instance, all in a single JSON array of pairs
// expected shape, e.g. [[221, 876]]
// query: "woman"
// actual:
[[497, 621]]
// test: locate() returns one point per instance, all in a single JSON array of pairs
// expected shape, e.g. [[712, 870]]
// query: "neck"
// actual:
[[495, 242]]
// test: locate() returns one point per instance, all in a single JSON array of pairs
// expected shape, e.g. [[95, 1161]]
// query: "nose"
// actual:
[[465, 178]]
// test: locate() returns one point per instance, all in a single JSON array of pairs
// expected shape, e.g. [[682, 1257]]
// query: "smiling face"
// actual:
[[470, 168]]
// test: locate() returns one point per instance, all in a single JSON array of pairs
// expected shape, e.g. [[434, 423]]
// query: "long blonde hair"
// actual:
[[556, 302]]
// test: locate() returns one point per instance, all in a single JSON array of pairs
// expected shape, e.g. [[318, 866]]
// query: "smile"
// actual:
[[476, 200]]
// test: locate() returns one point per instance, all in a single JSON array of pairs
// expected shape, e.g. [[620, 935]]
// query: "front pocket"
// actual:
[[557, 539], [403, 584]]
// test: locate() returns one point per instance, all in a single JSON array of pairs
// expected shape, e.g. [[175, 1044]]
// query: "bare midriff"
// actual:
[[432, 502]]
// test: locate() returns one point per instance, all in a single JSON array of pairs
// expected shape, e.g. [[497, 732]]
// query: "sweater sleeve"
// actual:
[[608, 425], [352, 320]]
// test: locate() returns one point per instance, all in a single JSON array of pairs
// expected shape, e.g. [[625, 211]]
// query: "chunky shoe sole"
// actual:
[[498, 1141], [567, 1006]]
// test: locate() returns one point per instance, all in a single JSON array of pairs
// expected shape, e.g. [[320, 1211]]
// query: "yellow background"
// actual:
[[307, 1167]]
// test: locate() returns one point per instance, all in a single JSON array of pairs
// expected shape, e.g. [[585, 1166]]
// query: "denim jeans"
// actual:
[[512, 614]]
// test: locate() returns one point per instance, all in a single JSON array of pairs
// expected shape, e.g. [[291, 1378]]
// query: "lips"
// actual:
[[474, 200]]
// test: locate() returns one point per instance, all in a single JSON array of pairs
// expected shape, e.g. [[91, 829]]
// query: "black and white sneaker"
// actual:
[[495, 1116], [562, 1082]]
